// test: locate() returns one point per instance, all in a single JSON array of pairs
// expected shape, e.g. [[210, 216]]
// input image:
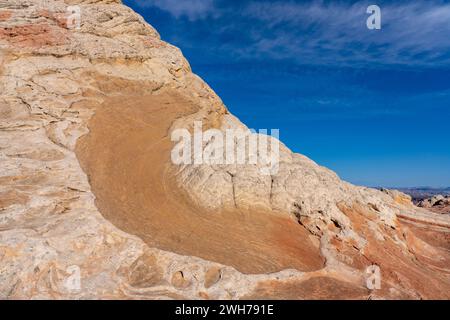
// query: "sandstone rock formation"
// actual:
[[438, 204], [87, 185]]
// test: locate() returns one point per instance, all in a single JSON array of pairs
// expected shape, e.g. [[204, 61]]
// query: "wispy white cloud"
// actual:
[[320, 32], [192, 9], [314, 32]]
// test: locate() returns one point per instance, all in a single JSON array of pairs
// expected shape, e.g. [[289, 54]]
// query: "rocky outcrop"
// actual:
[[88, 191], [438, 204], [399, 197]]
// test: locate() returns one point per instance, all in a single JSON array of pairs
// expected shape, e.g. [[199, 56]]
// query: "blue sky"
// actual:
[[373, 105]]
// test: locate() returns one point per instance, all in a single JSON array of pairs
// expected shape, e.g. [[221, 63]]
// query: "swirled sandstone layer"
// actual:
[[86, 182]]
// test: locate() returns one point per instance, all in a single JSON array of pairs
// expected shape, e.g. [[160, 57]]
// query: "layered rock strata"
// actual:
[[87, 185]]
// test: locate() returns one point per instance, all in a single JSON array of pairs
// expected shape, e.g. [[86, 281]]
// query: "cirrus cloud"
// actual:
[[415, 33], [192, 9]]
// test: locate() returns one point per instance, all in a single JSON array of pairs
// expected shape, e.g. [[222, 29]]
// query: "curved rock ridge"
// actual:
[[87, 188]]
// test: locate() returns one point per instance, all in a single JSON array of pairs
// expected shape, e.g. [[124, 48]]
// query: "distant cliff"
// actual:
[[420, 193]]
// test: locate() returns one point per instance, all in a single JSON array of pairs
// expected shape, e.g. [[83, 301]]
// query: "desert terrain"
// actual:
[[87, 182]]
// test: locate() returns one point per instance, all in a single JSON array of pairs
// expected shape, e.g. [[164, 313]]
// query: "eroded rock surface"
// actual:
[[86, 183], [439, 204]]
